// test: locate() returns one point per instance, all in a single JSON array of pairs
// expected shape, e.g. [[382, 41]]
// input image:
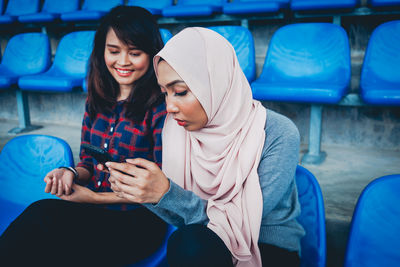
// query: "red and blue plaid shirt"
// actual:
[[122, 138]]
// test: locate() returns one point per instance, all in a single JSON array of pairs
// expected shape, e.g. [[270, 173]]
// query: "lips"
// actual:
[[124, 72], [181, 122]]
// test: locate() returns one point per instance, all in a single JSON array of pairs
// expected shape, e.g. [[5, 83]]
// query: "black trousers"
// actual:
[[61, 233], [197, 246]]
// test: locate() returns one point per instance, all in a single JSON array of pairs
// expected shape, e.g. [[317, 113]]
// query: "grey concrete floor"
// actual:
[[342, 176]]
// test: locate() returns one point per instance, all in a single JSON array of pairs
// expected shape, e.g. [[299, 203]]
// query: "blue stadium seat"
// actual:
[[306, 62], [243, 43], [165, 35], [254, 6], [25, 53], [312, 218], [380, 79], [91, 10], [189, 8], [51, 11], [384, 3], [17, 8], [154, 6], [308, 5], [375, 227], [24, 162], [69, 67]]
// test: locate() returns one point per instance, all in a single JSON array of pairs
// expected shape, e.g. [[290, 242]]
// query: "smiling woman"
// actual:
[[126, 63], [124, 114]]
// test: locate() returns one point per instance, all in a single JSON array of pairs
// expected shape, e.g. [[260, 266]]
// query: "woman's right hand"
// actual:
[[59, 182]]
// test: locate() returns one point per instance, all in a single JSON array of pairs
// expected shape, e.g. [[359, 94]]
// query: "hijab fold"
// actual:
[[218, 162]]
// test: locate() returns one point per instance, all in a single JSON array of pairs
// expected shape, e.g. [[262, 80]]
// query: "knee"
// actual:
[[38, 210], [40, 206], [185, 241], [196, 245]]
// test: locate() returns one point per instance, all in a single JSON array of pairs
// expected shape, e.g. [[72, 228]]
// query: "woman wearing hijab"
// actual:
[[227, 180]]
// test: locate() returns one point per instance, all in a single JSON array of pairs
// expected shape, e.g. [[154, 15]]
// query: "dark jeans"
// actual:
[[61, 233], [197, 246]]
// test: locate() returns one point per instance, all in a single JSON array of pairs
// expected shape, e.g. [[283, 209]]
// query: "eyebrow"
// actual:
[[116, 46], [170, 84]]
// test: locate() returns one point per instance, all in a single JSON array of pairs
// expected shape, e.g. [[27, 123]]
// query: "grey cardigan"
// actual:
[[280, 201]]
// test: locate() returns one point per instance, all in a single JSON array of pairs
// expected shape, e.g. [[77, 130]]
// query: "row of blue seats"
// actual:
[[305, 62], [373, 238], [31, 11]]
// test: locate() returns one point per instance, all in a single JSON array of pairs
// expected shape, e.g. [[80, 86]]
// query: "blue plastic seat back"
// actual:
[[308, 54], [193, 8], [73, 53], [24, 162], [27, 53], [306, 5], [282, 2], [101, 5], [22, 7], [312, 218], [243, 43], [154, 4], [60, 6], [165, 35], [374, 238], [1, 7], [383, 3], [265, 1], [381, 66], [254, 6], [201, 2]]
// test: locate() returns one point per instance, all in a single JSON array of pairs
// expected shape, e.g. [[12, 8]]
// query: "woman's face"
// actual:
[[125, 63], [180, 101]]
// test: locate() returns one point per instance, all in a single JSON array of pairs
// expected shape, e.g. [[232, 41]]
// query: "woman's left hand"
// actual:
[[138, 180], [80, 194]]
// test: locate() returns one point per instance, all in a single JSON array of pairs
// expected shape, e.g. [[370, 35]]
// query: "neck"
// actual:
[[124, 93]]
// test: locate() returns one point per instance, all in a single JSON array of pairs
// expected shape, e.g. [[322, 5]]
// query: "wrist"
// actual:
[[71, 169]]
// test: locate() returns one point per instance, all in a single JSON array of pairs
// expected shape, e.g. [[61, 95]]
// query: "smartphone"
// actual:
[[98, 153]]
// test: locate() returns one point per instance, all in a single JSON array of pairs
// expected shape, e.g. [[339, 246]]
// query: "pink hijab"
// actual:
[[218, 162]]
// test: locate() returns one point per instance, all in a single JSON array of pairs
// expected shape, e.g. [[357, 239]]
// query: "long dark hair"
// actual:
[[133, 26]]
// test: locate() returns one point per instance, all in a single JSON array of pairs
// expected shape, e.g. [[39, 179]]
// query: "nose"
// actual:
[[171, 105], [123, 59]]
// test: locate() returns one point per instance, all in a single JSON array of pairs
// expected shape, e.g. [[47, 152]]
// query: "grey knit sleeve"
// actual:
[[180, 207]]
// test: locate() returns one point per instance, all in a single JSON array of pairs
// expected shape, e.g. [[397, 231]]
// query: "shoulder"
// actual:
[[279, 129]]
